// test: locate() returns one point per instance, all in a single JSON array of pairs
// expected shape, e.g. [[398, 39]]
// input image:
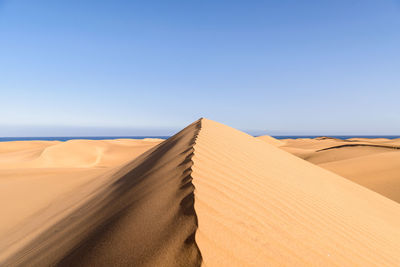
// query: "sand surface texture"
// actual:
[[373, 163], [258, 205], [209, 195]]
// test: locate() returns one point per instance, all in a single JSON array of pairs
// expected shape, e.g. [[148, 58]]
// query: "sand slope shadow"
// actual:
[[143, 216]]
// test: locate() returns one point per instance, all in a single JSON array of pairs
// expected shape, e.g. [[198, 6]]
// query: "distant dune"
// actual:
[[208, 195], [36, 176], [270, 140], [373, 163]]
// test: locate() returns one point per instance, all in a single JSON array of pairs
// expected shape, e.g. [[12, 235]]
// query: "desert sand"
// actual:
[[35, 175], [373, 163], [209, 195]]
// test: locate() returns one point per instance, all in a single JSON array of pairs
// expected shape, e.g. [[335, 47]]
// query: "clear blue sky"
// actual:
[[151, 67]]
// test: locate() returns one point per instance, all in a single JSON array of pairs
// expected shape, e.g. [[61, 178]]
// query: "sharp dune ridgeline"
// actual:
[[210, 195], [140, 214]]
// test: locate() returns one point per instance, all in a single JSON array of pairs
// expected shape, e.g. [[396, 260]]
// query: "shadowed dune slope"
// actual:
[[139, 215], [35, 174], [258, 205]]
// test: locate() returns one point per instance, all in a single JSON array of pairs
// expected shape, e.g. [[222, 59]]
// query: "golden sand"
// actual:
[[209, 195]]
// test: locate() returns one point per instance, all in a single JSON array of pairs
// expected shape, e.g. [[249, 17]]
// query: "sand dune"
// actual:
[[386, 141], [209, 195], [14, 146], [31, 183], [379, 172], [270, 140], [139, 214], [258, 205], [72, 153], [342, 153], [373, 163]]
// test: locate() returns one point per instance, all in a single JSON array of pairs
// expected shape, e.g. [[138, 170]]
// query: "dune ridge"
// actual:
[[141, 214], [258, 205], [355, 145], [215, 196]]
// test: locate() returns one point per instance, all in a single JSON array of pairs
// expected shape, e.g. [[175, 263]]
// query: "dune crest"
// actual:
[[258, 205], [141, 214], [216, 196]]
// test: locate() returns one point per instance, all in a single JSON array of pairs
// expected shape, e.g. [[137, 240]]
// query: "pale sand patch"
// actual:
[[270, 140], [373, 163]]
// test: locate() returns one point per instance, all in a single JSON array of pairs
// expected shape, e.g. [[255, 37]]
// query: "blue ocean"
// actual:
[[66, 138]]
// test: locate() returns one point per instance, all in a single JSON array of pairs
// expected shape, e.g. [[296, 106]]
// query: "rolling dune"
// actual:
[[373, 163], [209, 195], [30, 185], [72, 153], [379, 172]]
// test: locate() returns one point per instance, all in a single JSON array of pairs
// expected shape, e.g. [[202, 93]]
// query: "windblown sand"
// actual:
[[209, 195], [373, 163], [36, 174]]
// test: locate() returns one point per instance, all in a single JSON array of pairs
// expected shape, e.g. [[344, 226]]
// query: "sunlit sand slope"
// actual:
[[260, 206], [270, 140], [72, 153], [373, 163], [379, 172]]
